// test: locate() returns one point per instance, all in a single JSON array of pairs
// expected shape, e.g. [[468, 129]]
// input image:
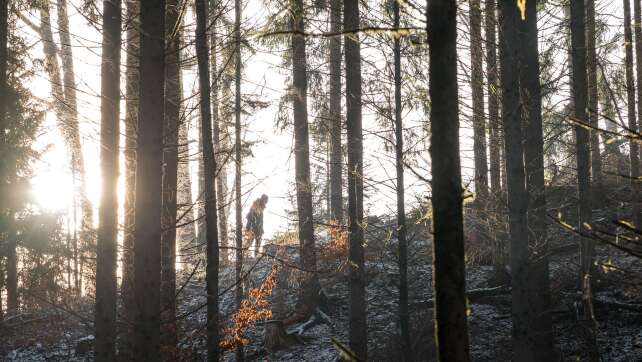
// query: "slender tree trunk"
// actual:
[[240, 355], [540, 299], [221, 151], [511, 59], [630, 92], [358, 324], [495, 138], [593, 111], [401, 208], [131, 125], [637, 21], [336, 162], [583, 155], [71, 109], [106, 255], [479, 123], [148, 181], [308, 260], [169, 338], [448, 246], [210, 191]]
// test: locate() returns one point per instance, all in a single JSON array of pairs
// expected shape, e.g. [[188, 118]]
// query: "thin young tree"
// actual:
[[240, 356], [494, 141], [593, 110], [634, 158], [106, 255], [209, 164], [219, 131], [582, 148], [173, 97], [477, 86], [149, 151], [336, 159], [401, 208], [358, 325], [125, 349], [637, 21], [447, 193]]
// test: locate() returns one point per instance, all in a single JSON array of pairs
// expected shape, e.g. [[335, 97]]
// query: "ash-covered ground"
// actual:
[[63, 332]]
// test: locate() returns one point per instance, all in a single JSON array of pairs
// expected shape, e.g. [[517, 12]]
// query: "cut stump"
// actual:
[[276, 337]]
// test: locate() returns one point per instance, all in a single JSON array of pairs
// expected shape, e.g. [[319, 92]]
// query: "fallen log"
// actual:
[[473, 295]]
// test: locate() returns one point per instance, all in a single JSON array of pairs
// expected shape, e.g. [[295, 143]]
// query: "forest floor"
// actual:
[[58, 334]]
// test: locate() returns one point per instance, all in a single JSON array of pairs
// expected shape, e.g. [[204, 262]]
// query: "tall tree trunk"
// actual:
[[171, 123], [510, 60], [4, 32], [448, 227], [401, 189], [240, 355], [358, 324], [308, 260], [148, 181], [71, 105], [593, 116], [630, 92], [336, 162], [593, 111], [495, 139], [106, 255], [210, 190], [583, 155], [221, 151], [637, 21], [479, 123], [540, 298], [131, 125]]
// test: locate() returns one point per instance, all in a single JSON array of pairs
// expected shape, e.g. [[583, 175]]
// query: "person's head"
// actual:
[[264, 200]]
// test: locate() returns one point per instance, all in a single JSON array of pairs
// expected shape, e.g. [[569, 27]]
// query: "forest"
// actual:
[[321, 180]]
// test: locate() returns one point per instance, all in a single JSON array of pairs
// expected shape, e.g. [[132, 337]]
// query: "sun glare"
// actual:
[[52, 190]]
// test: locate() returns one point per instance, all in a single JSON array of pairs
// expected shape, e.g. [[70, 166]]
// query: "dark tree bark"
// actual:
[[308, 260], [358, 324], [336, 159], [479, 123], [638, 67], [401, 208], [517, 196], [240, 355], [540, 299], [630, 93], [131, 124], [105, 307], [210, 191], [149, 153], [448, 228], [582, 139], [173, 96]]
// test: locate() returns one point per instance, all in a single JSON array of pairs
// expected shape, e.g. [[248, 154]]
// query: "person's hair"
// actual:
[[264, 199]]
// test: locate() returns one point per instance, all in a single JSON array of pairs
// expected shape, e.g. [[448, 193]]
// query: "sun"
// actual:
[[52, 190]]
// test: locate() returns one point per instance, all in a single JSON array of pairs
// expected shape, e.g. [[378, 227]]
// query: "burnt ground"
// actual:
[[59, 333]]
